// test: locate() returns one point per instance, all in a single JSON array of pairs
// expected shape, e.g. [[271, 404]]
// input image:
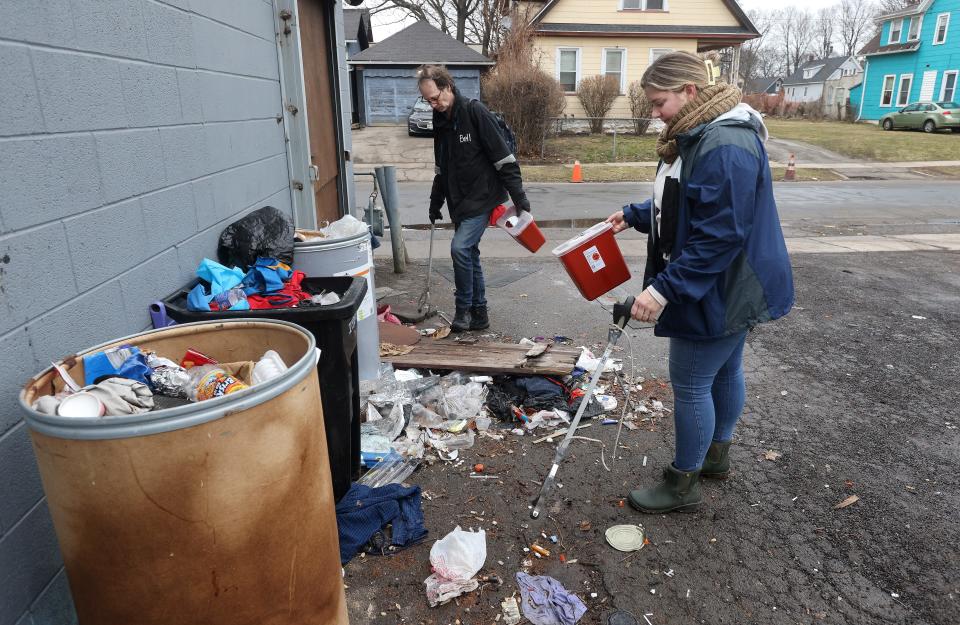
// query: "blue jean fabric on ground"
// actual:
[[545, 601], [709, 394], [465, 252], [364, 511]]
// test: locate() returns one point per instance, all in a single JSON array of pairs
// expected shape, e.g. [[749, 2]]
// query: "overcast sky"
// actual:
[[384, 26]]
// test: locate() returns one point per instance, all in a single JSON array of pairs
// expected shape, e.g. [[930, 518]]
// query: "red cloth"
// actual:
[[291, 295]]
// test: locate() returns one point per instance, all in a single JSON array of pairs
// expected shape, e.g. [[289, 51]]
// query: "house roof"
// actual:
[[746, 26], [760, 85], [873, 47], [417, 44], [914, 8], [830, 65], [352, 20], [644, 29]]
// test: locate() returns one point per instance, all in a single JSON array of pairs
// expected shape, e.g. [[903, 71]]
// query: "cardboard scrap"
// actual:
[[852, 499], [389, 349]]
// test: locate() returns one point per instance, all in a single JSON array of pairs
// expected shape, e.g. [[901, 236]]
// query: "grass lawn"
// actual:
[[615, 173], [866, 141], [599, 149]]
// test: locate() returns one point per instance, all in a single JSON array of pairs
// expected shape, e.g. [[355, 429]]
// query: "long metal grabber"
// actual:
[[621, 314]]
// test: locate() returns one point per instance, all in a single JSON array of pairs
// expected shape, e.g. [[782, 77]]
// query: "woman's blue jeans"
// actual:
[[465, 252], [709, 394]]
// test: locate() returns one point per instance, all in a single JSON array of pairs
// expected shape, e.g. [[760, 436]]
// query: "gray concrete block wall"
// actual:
[[132, 132]]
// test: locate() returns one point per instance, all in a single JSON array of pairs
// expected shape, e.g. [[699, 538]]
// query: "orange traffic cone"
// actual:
[[791, 173], [577, 172]]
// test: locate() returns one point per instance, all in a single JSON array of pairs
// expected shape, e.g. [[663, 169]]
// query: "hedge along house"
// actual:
[[580, 38], [386, 72], [131, 134], [915, 56]]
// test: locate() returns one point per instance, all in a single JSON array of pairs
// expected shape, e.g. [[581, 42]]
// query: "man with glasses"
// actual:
[[475, 171]]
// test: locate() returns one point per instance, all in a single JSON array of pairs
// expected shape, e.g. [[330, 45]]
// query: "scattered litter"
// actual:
[[620, 617], [771, 455], [455, 558], [852, 499], [607, 402], [540, 550], [625, 538], [918, 317], [644, 461], [389, 349], [546, 602], [510, 611], [589, 363]]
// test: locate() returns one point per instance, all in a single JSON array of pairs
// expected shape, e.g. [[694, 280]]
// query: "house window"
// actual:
[[656, 53], [949, 87], [568, 68], [943, 24], [614, 64], [804, 92], [886, 96], [903, 93], [896, 28], [840, 96], [644, 5], [914, 33], [829, 94]]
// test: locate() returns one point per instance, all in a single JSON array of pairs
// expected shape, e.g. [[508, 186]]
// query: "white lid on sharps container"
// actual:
[[590, 233]]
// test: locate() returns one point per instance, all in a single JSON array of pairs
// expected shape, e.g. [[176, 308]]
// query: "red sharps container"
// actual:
[[593, 260], [520, 226]]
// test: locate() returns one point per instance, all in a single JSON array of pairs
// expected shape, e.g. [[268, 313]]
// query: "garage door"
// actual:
[[389, 94]]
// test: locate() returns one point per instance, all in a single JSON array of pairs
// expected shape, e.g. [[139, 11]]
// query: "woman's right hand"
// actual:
[[619, 223]]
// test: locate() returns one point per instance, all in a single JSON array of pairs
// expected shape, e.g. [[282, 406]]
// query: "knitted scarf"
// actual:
[[711, 102]]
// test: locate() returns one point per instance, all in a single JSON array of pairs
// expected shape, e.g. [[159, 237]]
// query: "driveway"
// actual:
[[391, 145], [779, 150]]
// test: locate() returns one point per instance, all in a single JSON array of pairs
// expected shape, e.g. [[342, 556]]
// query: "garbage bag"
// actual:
[[459, 555], [265, 232]]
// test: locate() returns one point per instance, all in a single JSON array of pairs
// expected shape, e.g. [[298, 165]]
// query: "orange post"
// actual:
[[577, 172], [791, 173]]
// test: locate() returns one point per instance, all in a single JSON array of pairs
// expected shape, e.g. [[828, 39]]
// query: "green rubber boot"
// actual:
[[679, 489], [716, 466]]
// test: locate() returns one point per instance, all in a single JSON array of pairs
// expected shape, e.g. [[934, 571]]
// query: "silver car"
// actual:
[[420, 120]]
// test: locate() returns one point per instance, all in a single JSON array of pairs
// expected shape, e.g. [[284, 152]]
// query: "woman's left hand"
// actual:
[[646, 308]]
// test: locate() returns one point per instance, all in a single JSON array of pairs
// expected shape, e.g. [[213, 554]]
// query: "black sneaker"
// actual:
[[478, 318], [461, 321]]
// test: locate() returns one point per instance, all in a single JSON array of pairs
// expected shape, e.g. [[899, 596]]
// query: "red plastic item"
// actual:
[[593, 260], [194, 358], [519, 225]]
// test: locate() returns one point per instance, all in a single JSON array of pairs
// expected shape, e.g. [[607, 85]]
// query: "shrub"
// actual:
[[640, 108], [597, 94], [525, 95]]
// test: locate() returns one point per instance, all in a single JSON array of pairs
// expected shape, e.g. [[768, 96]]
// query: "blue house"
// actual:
[[914, 57]]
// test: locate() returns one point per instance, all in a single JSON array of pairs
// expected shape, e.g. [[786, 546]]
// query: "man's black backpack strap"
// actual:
[[509, 138]]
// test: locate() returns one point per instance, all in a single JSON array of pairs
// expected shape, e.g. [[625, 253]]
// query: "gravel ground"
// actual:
[[855, 393]]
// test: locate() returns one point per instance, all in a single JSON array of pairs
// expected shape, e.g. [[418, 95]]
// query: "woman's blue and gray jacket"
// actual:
[[729, 269]]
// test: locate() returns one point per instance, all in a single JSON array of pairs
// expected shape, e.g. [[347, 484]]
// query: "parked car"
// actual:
[[420, 120], [925, 116]]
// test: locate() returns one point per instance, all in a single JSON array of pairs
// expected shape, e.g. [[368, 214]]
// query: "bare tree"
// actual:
[[597, 95], [450, 16], [823, 31], [795, 28], [752, 53], [889, 6], [855, 21], [485, 26]]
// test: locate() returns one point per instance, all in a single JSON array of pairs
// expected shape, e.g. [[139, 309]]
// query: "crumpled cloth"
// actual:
[[440, 589], [364, 511], [119, 396], [546, 602]]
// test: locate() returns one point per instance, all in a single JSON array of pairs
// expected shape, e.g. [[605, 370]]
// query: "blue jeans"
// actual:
[[465, 252], [709, 394]]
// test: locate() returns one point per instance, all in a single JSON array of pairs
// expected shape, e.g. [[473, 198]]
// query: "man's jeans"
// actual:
[[465, 252], [709, 394]]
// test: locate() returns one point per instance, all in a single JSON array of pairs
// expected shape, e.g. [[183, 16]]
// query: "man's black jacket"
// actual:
[[474, 167]]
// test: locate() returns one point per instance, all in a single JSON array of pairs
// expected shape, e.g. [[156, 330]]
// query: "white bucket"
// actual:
[[350, 256]]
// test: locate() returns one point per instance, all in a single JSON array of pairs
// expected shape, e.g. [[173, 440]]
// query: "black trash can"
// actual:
[[334, 328]]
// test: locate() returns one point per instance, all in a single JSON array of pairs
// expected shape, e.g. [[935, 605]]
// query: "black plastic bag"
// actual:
[[266, 232]]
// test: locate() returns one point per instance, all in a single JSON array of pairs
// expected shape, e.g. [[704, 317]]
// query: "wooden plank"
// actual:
[[505, 358]]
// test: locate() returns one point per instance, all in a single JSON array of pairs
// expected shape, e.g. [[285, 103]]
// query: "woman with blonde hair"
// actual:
[[717, 263]]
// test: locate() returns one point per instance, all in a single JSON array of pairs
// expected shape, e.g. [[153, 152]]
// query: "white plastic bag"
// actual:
[[460, 554]]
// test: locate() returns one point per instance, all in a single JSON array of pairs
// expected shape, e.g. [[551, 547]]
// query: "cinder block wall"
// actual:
[[131, 133]]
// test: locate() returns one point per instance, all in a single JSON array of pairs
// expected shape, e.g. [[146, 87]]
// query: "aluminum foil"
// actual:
[[167, 377]]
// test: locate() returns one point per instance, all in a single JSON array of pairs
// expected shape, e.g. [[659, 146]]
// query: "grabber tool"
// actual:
[[621, 315], [423, 303]]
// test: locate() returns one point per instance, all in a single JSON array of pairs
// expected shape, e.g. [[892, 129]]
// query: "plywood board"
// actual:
[[506, 358]]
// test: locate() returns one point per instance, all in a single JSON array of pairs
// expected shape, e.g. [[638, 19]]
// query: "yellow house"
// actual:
[[580, 38]]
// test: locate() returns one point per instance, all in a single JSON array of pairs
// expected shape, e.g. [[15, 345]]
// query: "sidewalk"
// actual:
[[498, 245]]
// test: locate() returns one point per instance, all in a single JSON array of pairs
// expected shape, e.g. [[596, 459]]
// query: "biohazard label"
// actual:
[[594, 259]]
